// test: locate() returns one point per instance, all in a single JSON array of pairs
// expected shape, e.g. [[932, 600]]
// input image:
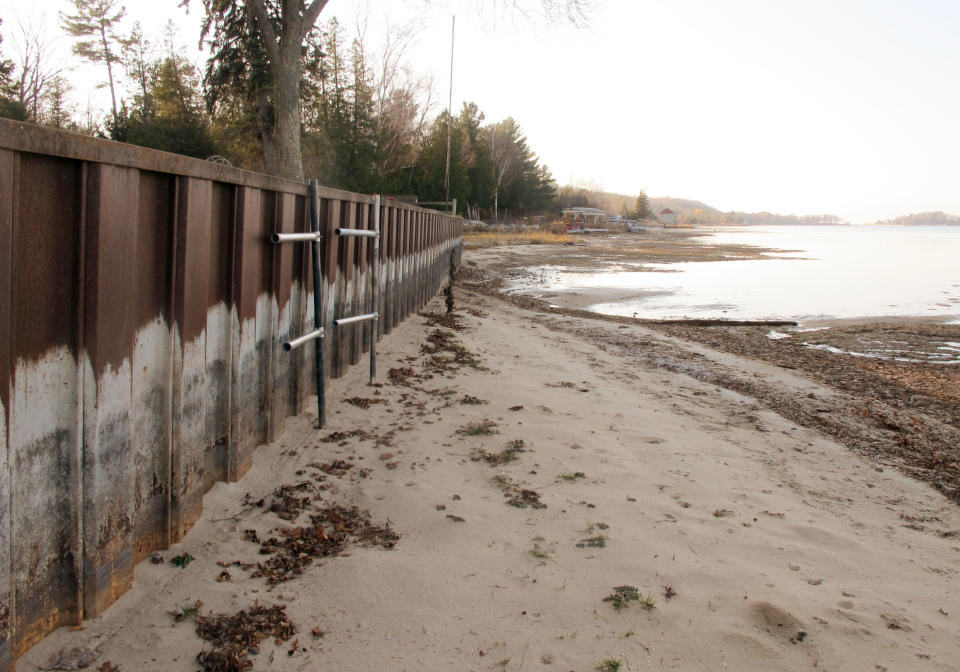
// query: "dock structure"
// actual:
[[582, 219]]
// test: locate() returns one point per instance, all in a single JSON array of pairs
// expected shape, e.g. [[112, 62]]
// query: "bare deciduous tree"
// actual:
[[33, 63]]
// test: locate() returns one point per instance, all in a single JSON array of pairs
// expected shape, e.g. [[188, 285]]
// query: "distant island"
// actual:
[[938, 218]]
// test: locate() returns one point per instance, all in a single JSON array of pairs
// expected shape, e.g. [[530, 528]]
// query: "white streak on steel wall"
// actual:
[[151, 430]]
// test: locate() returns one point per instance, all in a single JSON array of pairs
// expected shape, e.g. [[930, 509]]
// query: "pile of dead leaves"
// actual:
[[440, 343], [339, 437], [447, 320], [236, 638], [287, 501], [365, 402], [335, 468], [401, 376], [327, 535]]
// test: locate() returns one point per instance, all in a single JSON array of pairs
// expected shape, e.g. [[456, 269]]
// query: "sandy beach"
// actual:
[[512, 469]]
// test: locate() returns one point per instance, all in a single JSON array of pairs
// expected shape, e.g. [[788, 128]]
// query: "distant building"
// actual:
[[667, 217]]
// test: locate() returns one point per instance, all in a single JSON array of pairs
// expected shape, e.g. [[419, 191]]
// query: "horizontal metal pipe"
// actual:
[[363, 233], [356, 318], [303, 340], [308, 237]]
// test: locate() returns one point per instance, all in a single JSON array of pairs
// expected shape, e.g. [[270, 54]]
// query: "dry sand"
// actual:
[[781, 549]]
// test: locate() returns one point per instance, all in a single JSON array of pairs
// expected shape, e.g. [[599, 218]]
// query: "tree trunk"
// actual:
[[282, 151], [106, 57]]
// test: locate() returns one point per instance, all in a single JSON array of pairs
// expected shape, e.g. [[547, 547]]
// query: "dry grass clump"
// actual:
[[482, 239]]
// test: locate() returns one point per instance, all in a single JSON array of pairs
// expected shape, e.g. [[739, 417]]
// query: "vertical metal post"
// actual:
[[375, 294], [318, 306], [446, 174]]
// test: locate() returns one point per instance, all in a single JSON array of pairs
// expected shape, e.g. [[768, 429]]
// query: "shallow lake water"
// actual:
[[825, 272]]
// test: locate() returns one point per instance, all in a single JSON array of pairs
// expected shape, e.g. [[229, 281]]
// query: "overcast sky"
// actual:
[[848, 107]]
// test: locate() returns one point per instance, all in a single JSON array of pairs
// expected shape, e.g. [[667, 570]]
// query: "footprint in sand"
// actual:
[[779, 622]]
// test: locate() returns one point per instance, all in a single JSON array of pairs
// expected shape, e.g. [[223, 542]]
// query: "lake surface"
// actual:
[[830, 272]]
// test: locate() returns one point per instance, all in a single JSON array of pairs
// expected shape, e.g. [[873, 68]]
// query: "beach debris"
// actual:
[[522, 499], [107, 666], [156, 559], [75, 658], [608, 665], [599, 541], [336, 468], [186, 611], [236, 638], [455, 518], [224, 576], [484, 428], [440, 343], [401, 376], [538, 551], [365, 402], [181, 560], [515, 408], [509, 454], [287, 502], [449, 320], [622, 596], [318, 633], [329, 532], [722, 513], [339, 437], [669, 593], [572, 476], [473, 401]]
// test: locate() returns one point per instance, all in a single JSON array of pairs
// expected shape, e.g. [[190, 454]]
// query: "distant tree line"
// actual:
[[367, 122]]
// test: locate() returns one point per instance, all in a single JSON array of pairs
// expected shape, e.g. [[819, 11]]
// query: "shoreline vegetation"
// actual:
[[528, 487]]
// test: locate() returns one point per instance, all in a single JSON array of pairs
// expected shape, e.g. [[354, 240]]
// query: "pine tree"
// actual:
[[96, 20], [641, 208]]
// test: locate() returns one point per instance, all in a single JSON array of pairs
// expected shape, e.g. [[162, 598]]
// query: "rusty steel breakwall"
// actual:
[[142, 311]]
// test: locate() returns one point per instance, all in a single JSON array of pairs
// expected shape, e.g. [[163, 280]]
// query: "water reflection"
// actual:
[[842, 272]]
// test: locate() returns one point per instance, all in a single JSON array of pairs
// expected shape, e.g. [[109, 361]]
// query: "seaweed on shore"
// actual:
[[236, 638]]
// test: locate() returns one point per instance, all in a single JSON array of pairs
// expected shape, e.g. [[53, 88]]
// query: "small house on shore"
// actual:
[[667, 217]]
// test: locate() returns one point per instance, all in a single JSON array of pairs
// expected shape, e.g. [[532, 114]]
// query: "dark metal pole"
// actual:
[[446, 174], [318, 306], [375, 286]]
